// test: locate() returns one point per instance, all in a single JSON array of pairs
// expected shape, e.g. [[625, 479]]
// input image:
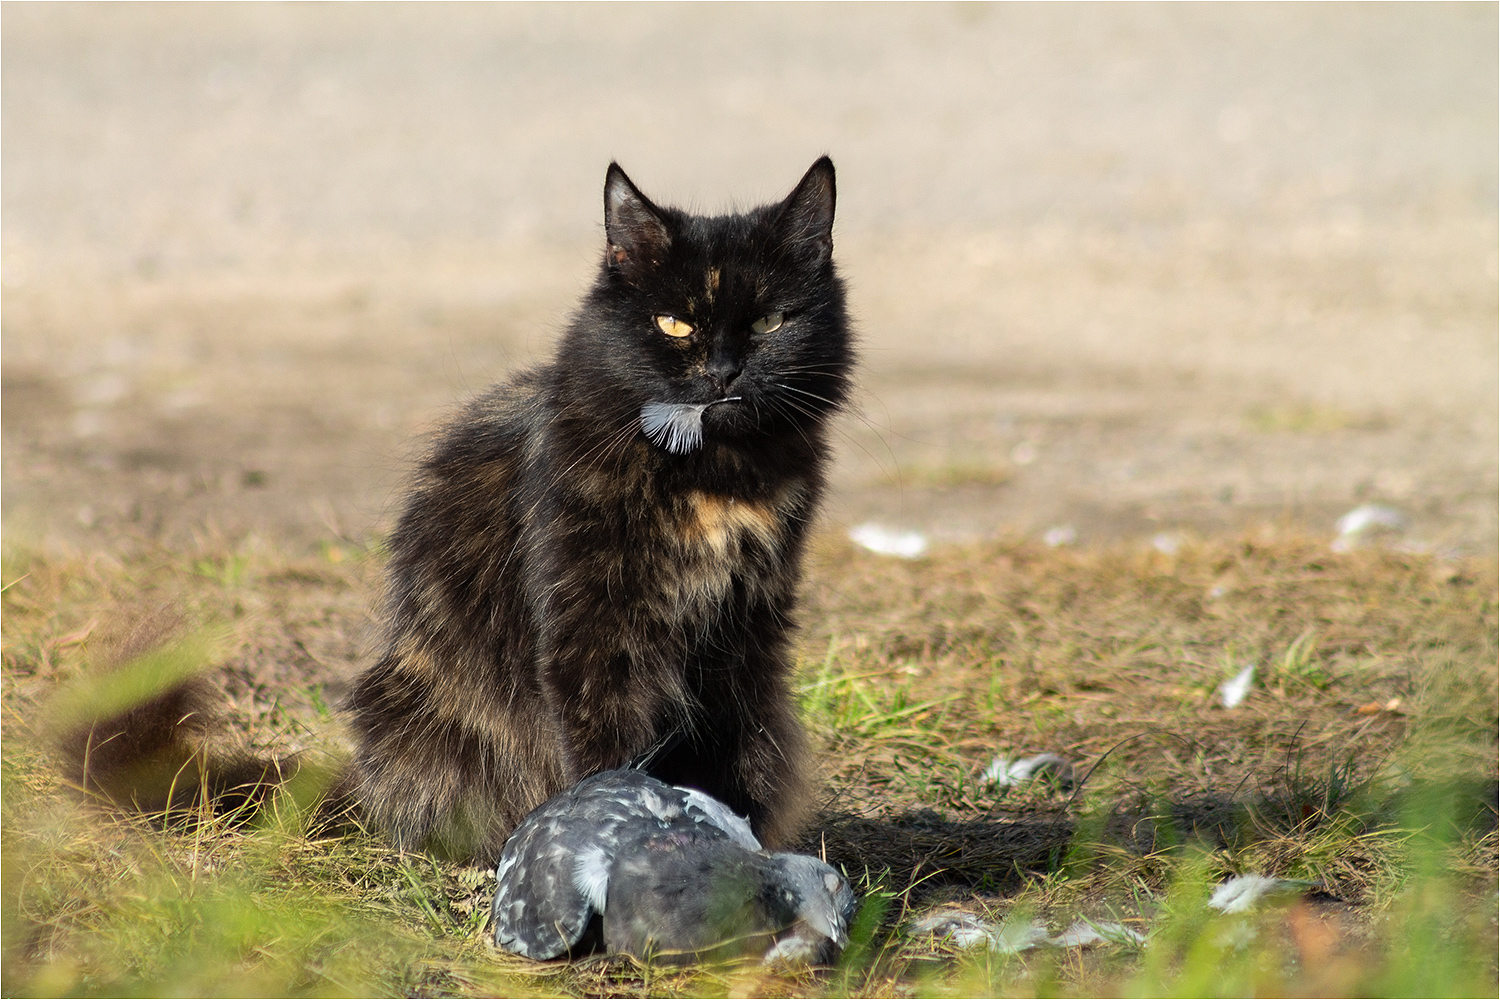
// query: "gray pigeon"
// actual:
[[631, 864]]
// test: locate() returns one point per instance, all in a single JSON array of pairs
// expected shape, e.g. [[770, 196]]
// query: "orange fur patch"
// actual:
[[718, 521]]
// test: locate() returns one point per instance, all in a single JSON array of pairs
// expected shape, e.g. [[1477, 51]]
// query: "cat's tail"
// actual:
[[145, 736]]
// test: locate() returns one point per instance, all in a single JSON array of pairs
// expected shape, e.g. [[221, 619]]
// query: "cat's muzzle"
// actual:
[[677, 427]]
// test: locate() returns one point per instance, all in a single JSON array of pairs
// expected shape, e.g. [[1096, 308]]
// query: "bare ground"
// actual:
[[1124, 270]]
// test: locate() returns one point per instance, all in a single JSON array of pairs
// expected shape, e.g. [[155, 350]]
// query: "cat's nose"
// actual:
[[724, 370]]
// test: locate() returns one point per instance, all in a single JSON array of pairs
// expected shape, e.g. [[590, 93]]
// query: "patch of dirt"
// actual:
[[1120, 271]]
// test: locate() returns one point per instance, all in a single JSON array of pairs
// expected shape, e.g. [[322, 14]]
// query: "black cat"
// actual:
[[599, 560]]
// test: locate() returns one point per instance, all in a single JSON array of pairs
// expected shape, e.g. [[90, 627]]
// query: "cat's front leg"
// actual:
[[606, 690], [770, 766], [743, 742]]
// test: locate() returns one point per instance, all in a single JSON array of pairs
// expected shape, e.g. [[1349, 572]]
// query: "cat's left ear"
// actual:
[[805, 221], [636, 234]]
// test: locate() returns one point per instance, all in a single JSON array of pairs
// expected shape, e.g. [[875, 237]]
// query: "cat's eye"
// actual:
[[673, 327], [769, 323]]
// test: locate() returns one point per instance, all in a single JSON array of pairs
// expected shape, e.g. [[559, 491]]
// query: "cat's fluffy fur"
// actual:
[[565, 594]]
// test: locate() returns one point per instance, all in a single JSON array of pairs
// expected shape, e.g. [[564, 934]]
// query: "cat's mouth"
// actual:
[[677, 427]]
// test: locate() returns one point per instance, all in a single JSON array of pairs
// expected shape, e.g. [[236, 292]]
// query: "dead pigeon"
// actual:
[[627, 863]]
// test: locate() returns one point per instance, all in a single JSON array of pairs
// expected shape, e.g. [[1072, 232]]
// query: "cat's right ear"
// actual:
[[636, 235]]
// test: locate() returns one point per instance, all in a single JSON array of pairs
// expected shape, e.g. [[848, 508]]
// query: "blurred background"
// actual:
[[1120, 271]]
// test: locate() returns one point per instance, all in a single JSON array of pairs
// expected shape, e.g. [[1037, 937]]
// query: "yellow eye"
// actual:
[[673, 327], [769, 323]]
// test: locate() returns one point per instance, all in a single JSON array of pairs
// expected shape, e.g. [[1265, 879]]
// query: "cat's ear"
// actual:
[[634, 230], [804, 223]]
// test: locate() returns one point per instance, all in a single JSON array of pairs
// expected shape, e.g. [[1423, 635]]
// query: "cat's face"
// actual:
[[736, 321]]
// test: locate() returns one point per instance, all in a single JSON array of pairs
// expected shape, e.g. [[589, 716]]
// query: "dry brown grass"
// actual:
[[1366, 750]]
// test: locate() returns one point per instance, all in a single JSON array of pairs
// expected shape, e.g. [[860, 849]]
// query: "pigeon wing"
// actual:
[[539, 912], [704, 810], [553, 875]]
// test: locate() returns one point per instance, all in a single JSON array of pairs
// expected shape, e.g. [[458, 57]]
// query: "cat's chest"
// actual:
[[724, 526], [709, 545]]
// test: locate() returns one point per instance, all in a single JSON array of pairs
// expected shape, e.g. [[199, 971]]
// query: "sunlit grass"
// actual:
[[1363, 761]]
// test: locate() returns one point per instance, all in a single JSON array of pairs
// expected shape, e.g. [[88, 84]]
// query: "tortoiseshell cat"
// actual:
[[598, 562]]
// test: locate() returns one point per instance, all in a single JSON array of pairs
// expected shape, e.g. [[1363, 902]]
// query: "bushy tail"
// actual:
[[145, 736]]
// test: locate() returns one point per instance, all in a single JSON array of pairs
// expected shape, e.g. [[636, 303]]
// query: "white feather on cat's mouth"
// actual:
[[677, 427]]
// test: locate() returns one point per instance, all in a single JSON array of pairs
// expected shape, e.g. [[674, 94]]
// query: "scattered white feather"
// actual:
[[1233, 691], [1087, 932], [1243, 891], [1006, 773], [905, 544], [962, 930], [965, 930], [1016, 936], [1063, 534], [1167, 543], [1370, 515], [1364, 520]]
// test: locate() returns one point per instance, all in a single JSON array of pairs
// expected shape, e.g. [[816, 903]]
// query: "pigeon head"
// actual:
[[821, 906]]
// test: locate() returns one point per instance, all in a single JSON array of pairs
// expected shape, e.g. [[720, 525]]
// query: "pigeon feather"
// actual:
[[677, 427]]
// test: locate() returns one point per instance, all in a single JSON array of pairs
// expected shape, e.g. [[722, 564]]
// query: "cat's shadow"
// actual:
[[922, 854]]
